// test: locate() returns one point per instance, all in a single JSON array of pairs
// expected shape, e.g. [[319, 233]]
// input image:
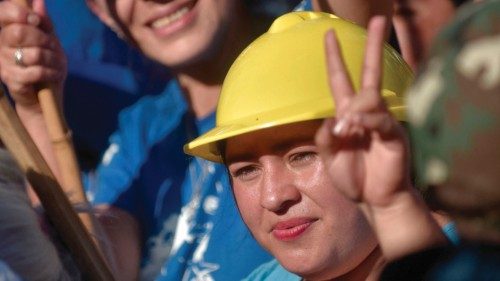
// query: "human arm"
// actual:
[[29, 34], [368, 145], [123, 236]]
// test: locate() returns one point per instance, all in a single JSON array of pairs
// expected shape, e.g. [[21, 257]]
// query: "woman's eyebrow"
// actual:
[[239, 157], [288, 143], [277, 147]]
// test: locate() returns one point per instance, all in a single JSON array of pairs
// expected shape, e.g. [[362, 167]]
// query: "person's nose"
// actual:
[[279, 190]]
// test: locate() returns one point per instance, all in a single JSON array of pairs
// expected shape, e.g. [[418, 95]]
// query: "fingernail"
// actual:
[[33, 19], [339, 126]]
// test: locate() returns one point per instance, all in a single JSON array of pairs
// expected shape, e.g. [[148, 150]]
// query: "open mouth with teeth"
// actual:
[[173, 17]]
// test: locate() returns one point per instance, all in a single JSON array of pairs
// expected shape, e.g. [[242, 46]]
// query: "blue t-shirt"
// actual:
[[105, 75], [272, 271], [192, 229], [304, 5]]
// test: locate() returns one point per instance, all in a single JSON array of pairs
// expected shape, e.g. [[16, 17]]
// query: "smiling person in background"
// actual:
[[168, 214]]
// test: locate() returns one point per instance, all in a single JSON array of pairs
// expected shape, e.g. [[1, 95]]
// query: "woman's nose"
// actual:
[[279, 190]]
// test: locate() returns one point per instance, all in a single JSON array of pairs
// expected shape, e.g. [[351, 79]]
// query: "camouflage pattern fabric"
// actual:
[[454, 111]]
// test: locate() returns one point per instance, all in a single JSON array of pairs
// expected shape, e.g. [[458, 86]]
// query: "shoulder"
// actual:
[[151, 119], [157, 106], [271, 271]]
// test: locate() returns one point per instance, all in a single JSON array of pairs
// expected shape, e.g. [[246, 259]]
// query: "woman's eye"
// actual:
[[303, 158], [245, 173]]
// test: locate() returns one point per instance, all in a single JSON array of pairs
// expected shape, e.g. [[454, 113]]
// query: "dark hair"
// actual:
[[458, 3]]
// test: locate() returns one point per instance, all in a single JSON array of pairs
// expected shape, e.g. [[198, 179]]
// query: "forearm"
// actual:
[[405, 226], [33, 120], [122, 246]]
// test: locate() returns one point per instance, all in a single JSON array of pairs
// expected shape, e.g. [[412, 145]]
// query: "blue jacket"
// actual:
[[192, 229]]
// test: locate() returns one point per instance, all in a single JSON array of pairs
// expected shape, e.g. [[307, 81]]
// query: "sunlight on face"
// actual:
[[177, 32], [286, 198]]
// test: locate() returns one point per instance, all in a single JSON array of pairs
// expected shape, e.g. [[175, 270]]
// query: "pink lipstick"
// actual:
[[291, 229]]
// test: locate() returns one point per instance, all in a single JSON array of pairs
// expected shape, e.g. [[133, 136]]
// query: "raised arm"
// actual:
[[366, 143]]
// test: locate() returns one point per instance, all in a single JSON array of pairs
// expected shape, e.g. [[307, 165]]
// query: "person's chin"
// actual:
[[307, 268]]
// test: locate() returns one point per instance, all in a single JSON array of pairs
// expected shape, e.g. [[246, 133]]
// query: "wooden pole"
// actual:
[[62, 144], [57, 206]]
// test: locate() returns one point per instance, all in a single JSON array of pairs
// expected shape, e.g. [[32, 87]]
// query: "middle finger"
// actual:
[[372, 67], [24, 35]]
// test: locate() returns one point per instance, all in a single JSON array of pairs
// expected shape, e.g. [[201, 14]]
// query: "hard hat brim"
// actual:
[[206, 146]]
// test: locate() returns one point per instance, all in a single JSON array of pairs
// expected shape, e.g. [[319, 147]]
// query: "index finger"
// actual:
[[15, 13], [338, 78], [372, 66]]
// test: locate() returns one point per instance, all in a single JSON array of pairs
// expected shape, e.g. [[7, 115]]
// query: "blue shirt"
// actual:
[[304, 5], [105, 75], [191, 226], [272, 271]]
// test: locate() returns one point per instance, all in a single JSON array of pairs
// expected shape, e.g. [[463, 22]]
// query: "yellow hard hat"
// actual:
[[281, 78]]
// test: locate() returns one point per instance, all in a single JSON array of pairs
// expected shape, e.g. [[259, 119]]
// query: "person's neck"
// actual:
[[202, 82], [368, 270]]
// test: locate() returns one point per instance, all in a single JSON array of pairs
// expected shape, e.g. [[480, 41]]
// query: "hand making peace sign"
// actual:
[[364, 143]]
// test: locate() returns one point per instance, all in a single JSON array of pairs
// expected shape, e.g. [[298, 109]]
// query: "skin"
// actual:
[[43, 61], [357, 11], [199, 52], [414, 21], [282, 180], [365, 142], [199, 48], [199, 70], [175, 46], [304, 188], [417, 22]]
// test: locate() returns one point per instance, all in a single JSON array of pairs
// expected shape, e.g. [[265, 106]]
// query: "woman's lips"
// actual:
[[175, 20], [291, 229]]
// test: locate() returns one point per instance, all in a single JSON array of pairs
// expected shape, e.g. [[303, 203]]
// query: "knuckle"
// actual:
[[15, 89], [37, 74], [52, 75], [36, 56], [3, 74], [17, 34]]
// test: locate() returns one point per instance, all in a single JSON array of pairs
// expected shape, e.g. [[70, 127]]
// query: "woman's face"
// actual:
[[287, 200], [417, 22], [173, 32]]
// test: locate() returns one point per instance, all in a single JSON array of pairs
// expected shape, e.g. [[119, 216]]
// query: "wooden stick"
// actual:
[[57, 206], [64, 152]]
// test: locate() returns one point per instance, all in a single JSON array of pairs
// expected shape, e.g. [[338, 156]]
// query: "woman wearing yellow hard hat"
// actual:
[[326, 198]]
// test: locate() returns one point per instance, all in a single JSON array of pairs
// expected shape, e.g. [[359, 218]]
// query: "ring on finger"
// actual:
[[19, 56]]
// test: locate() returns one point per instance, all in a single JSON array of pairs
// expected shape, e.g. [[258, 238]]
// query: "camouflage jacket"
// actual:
[[454, 113]]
